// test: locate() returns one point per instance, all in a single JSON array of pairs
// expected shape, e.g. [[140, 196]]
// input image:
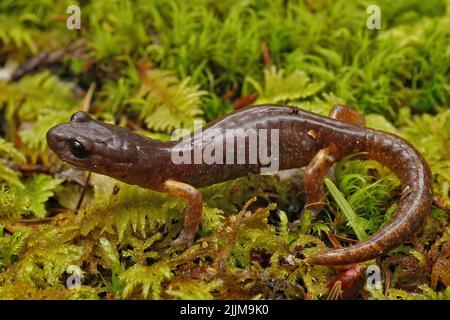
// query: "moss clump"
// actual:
[[156, 66]]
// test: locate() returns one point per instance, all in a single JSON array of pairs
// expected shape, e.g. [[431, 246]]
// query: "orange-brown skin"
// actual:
[[305, 139], [348, 282]]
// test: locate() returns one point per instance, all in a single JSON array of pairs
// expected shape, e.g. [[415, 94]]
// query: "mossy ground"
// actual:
[[156, 66]]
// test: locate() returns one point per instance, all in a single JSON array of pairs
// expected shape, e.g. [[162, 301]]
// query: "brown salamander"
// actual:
[[302, 139]]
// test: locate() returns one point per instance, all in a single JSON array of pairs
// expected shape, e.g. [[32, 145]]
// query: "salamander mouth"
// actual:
[[68, 160], [80, 164]]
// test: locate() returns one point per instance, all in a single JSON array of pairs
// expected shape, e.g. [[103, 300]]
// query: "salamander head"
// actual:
[[93, 145]]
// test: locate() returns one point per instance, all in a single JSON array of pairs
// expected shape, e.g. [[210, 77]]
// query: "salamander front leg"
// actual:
[[193, 210]]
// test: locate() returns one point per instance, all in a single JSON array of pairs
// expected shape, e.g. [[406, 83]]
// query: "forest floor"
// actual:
[[158, 66]]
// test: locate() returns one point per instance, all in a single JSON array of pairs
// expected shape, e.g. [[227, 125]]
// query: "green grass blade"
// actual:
[[347, 210]]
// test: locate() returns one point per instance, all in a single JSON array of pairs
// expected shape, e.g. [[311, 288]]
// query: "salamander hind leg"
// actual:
[[313, 178], [193, 210], [346, 114], [324, 160]]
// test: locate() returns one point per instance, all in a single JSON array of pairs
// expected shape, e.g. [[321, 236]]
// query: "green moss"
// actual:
[[156, 66]]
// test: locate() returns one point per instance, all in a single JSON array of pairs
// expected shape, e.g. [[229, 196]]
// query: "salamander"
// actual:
[[303, 139]]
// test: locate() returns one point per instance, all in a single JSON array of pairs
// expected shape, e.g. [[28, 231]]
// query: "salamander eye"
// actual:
[[78, 150]]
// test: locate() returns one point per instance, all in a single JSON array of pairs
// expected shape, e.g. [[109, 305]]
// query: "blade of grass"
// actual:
[[347, 210]]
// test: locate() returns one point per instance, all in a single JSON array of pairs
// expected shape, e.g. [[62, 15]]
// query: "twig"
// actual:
[[267, 59], [46, 58], [83, 192], [86, 102], [345, 239], [438, 203]]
